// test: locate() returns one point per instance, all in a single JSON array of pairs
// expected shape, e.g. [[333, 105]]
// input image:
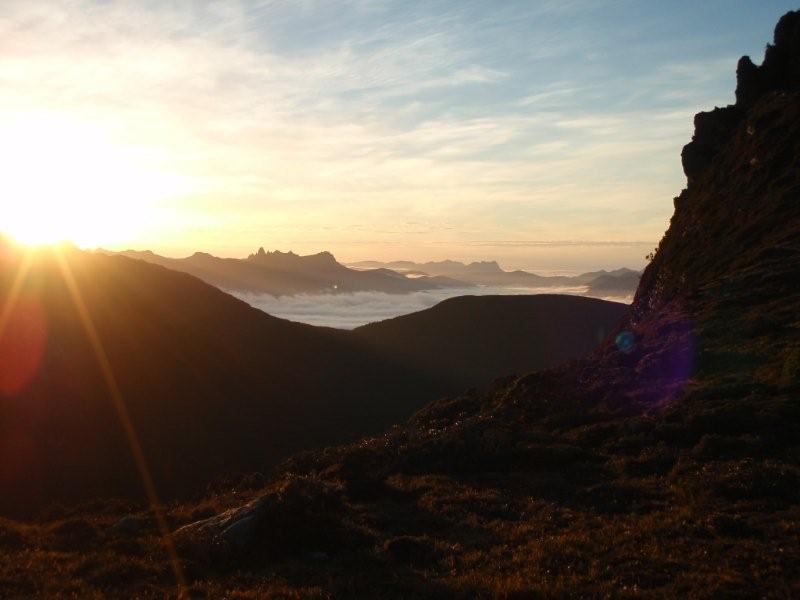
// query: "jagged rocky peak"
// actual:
[[780, 71], [263, 255], [278, 259], [734, 230]]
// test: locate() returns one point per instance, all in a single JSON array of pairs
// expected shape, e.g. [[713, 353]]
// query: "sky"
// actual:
[[543, 134]]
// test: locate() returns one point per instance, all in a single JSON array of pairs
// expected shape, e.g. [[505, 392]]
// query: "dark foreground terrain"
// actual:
[[665, 464]]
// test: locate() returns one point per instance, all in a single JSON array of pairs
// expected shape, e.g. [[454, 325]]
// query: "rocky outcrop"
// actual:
[[289, 260], [296, 515], [780, 71], [711, 132], [734, 231]]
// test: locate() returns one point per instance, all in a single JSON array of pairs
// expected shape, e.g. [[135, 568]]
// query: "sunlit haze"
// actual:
[[545, 135]]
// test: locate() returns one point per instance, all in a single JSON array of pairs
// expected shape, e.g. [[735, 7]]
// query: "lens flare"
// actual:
[[22, 345], [626, 341]]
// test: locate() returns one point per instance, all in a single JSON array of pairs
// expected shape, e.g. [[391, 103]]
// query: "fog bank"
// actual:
[[348, 311]]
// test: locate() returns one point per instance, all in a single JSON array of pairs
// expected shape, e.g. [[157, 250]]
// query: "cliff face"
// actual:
[[738, 213]]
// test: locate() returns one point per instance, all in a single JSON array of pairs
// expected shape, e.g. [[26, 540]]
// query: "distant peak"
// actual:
[[322, 259], [278, 259], [262, 254], [484, 266], [325, 255]]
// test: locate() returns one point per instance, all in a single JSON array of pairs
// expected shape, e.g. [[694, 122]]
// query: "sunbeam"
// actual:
[[16, 287], [122, 411]]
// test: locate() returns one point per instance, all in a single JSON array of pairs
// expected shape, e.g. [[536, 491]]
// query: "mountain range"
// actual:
[[287, 274], [490, 273]]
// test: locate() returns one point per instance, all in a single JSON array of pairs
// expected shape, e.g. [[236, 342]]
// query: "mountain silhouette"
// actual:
[[490, 273], [287, 274]]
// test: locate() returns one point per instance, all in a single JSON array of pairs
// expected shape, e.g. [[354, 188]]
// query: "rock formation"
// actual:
[[780, 71]]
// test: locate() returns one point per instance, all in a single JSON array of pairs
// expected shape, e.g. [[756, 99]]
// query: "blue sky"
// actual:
[[543, 134]]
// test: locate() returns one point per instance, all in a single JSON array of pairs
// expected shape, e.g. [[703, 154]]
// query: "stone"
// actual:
[[129, 525], [294, 516]]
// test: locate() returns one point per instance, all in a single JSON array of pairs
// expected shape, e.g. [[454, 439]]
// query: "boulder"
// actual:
[[298, 515]]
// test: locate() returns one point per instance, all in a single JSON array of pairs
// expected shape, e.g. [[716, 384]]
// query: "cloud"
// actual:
[[348, 311], [296, 119]]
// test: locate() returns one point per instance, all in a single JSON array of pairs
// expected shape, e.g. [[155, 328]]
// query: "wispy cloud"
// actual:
[[295, 120]]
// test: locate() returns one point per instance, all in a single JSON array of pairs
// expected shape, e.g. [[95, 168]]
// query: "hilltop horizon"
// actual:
[[575, 266]]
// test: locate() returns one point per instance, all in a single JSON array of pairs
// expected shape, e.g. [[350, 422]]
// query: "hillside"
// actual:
[[197, 368], [287, 274], [664, 464], [475, 339]]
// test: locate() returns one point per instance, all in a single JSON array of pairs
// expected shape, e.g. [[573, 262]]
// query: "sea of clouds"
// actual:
[[348, 311]]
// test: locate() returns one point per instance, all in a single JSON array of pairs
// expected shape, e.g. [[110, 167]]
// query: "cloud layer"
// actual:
[[348, 311]]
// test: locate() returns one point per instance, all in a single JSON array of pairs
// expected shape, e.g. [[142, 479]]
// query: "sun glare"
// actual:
[[67, 181]]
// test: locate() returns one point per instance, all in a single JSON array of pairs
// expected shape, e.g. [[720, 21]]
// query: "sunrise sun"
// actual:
[[68, 181]]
